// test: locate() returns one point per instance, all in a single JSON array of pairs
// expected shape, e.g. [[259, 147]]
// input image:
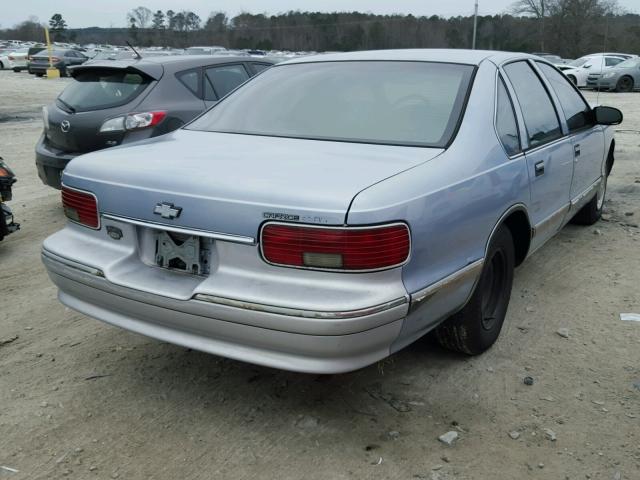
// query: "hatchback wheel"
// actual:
[[477, 326], [625, 84]]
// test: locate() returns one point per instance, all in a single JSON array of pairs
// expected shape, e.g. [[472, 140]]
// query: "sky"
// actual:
[[107, 13]]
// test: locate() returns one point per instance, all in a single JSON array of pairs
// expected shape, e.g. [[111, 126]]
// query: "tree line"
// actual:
[[569, 28]]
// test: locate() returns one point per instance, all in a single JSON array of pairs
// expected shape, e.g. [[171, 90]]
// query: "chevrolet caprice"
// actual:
[[336, 208]]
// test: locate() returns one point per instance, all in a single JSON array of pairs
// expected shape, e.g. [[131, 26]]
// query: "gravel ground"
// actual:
[[80, 399]]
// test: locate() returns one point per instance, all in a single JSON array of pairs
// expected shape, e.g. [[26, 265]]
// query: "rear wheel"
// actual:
[[477, 326], [39, 74], [625, 84]]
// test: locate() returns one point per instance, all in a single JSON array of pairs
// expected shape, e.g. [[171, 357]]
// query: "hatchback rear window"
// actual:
[[397, 103], [96, 90]]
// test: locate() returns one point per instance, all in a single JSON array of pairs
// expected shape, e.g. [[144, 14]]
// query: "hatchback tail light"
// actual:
[[55, 59], [81, 207], [342, 248], [133, 121], [12, 58]]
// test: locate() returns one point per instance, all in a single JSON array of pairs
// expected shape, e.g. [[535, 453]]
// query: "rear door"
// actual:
[[219, 80], [548, 152], [586, 136]]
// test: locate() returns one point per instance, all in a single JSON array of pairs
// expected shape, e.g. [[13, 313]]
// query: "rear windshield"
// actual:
[[95, 90], [398, 103]]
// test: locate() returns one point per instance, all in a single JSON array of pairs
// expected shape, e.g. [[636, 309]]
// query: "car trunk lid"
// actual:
[[231, 183]]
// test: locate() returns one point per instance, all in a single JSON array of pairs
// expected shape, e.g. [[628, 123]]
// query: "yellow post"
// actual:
[[51, 71]]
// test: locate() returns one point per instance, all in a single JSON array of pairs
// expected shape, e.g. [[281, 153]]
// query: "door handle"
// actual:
[[576, 150], [539, 168]]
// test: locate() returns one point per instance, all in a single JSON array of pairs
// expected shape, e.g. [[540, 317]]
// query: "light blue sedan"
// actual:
[[336, 208]]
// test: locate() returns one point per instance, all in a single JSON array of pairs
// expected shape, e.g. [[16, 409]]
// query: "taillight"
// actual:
[[81, 207], [133, 121], [12, 58], [342, 248], [54, 59]]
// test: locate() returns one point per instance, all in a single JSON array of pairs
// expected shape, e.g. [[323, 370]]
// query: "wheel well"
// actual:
[[610, 157], [520, 228]]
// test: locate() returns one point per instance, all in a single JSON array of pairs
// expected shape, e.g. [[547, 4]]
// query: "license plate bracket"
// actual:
[[185, 253]]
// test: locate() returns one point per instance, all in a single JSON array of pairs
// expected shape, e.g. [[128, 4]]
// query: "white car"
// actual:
[[18, 59], [4, 60], [590, 64]]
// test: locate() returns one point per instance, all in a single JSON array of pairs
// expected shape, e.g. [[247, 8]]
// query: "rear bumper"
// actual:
[[50, 163], [347, 341]]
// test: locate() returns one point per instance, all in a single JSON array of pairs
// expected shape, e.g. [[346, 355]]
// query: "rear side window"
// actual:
[[576, 110], [191, 80], [225, 78], [612, 61], [540, 118], [506, 124], [258, 67], [99, 89]]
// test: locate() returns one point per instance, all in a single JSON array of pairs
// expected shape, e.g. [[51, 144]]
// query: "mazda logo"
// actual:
[[65, 126]]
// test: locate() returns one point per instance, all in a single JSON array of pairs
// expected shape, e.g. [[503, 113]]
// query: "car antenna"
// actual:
[[134, 51]]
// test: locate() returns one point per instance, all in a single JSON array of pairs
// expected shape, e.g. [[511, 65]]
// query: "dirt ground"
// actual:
[[80, 399]]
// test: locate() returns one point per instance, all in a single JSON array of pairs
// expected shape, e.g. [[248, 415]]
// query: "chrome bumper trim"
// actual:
[[470, 271], [295, 312], [256, 307], [226, 237], [72, 264]]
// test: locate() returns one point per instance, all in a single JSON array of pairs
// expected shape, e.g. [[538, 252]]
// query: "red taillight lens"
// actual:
[[81, 207], [348, 248], [54, 59]]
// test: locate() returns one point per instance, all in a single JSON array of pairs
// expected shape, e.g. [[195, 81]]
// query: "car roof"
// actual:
[[448, 55], [155, 67]]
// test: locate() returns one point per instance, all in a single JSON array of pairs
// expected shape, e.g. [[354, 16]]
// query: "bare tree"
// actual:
[[535, 8], [141, 16]]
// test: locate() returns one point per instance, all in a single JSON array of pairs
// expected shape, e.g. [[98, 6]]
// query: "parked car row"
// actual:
[[593, 66], [325, 213]]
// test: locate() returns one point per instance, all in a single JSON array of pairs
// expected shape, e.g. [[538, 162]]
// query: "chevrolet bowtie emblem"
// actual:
[[167, 210]]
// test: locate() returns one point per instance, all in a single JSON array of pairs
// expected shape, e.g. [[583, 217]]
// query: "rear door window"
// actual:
[[99, 89], [612, 61], [540, 117], [506, 124], [576, 110], [223, 79]]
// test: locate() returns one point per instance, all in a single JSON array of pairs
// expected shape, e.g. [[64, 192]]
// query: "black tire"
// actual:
[[625, 84], [476, 327], [1, 66], [592, 211], [63, 72], [573, 79], [39, 74], [16, 70]]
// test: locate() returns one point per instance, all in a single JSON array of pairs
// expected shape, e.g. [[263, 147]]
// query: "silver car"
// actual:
[[624, 77], [334, 209]]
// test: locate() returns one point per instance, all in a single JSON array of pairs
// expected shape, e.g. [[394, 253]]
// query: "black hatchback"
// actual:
[[117, 102]]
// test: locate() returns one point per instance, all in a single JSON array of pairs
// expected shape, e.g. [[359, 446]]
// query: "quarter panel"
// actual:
[[451, 202]]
